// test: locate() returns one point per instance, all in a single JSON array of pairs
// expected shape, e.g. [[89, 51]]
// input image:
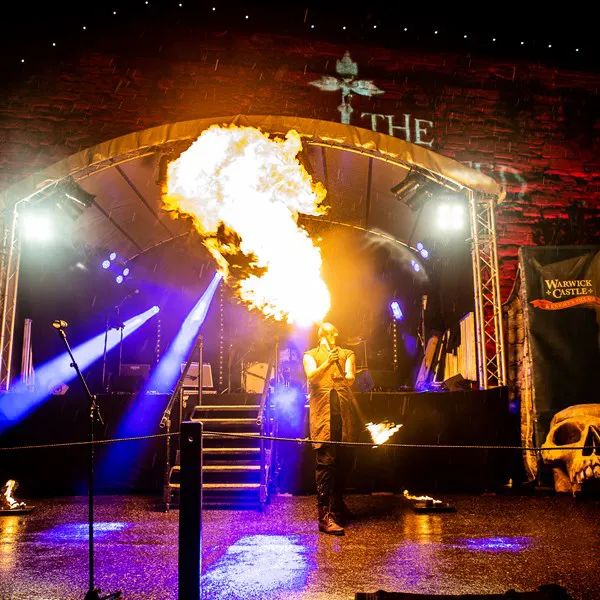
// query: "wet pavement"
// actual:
[[491, 544]]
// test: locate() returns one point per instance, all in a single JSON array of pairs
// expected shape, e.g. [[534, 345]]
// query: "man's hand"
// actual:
[[334, 356]]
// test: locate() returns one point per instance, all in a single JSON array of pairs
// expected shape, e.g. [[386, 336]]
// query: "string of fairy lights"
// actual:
[[313, 25]]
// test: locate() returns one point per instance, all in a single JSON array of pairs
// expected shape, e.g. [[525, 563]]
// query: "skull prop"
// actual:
[[573, 428]]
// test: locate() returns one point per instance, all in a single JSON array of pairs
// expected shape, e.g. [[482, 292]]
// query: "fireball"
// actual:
[[244, 192]]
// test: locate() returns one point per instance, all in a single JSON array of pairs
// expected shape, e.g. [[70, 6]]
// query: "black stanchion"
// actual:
[[190, 511]]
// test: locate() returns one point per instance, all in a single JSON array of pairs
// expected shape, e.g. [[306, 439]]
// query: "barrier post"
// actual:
[[190, 511]]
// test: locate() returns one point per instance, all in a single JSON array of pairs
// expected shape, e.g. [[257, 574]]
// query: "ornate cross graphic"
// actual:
[[347, 70]]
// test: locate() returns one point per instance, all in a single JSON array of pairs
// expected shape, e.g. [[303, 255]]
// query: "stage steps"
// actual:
[[231, 467]]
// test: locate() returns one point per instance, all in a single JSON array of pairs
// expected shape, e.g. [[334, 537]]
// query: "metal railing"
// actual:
[[265, 422]]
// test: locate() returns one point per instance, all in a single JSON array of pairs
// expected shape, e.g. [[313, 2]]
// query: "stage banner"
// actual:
[[561, 305]]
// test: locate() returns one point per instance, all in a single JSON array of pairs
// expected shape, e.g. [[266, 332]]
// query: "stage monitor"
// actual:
[[191, 377], [135, 370]]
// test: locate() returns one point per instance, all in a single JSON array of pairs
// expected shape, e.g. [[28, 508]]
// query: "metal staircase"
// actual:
[[236, 471]]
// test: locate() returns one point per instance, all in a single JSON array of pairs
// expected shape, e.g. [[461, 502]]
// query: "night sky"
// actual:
[[44, 34]]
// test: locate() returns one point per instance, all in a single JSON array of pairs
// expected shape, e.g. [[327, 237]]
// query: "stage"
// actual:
[[480, 418], [491, 544]]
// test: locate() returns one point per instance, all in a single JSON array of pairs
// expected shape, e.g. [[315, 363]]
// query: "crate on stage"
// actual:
[[191, 377]]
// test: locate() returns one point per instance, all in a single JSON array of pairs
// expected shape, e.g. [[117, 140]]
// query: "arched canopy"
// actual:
[[357, 166]]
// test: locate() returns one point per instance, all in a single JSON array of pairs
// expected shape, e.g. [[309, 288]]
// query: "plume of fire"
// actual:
[[8, 500], [420, 498], [382, 432], [244, 192]]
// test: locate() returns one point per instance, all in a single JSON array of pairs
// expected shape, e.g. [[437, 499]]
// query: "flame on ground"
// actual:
[[420, 498], [244, 192], [7, 492], [382, 432]]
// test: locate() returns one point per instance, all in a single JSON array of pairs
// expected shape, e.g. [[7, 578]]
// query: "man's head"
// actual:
[[328, 333]]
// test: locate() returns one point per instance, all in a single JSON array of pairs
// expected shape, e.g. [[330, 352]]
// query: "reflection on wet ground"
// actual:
[[491, 544]]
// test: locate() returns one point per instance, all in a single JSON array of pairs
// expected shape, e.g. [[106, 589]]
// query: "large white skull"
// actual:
[[573, 427]]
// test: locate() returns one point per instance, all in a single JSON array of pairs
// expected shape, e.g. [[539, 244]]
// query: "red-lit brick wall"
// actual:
[[533, 127]]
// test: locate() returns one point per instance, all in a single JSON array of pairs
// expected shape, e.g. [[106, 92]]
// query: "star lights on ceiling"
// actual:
[[312, 26]]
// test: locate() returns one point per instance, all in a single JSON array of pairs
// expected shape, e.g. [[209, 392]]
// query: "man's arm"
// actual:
[[313, 372], [350, 368]]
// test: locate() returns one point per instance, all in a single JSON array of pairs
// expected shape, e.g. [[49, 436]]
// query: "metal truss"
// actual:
[[491, 363], [488, 315], [9, 284]]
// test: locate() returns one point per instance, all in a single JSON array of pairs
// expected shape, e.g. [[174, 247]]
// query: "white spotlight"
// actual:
[[37, 227], [451, 217]]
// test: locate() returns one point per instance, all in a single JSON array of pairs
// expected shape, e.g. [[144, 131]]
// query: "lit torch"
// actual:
[[8, 500], [382, 432], [244, 193]]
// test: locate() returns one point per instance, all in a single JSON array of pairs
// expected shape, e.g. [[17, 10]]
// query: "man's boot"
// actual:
[[341, 513], [327, 523]]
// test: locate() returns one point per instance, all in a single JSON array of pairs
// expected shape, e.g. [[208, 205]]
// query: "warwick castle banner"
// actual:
[[561, 304]]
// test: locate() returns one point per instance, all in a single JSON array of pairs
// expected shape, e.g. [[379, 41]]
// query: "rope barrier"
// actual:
[[95, 442], [296, 441]]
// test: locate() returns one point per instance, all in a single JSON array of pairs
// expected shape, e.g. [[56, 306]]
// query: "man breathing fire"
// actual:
[[331, 371]]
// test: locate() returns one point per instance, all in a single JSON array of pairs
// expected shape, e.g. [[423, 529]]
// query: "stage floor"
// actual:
[[491, 544]]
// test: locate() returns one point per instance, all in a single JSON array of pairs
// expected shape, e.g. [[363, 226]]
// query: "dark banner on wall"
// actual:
[[561, 302]]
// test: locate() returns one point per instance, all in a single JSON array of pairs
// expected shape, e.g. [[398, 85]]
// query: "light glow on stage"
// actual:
[[451, 217], [37, 227], [259, 566], [59, 371], [244, 193]]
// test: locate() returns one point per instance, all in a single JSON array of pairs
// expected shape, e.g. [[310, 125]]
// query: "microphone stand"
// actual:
[[94, 415]]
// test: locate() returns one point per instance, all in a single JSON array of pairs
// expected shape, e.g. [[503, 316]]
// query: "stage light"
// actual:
[[125, 272], [106, 264], [119, 278], [451, 217], [113, 255], [396, 310], [405, 188], [414, 190], [415, 265], [71, 199], [37, 227], [422, 250], [58, 371]]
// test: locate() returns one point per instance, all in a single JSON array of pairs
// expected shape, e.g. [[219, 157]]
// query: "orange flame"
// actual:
[[7, 491], [421, 498], [244, 192], [382, 432]]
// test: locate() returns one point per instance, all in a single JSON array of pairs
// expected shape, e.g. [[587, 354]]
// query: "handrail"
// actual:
[[263, 399], [264, 421]]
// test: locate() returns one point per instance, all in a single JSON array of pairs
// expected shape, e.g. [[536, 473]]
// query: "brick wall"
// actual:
[[531, 126]]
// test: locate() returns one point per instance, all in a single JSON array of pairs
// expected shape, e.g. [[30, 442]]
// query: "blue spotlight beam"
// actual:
[[58, 371], [143, 417], [167, 372]]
